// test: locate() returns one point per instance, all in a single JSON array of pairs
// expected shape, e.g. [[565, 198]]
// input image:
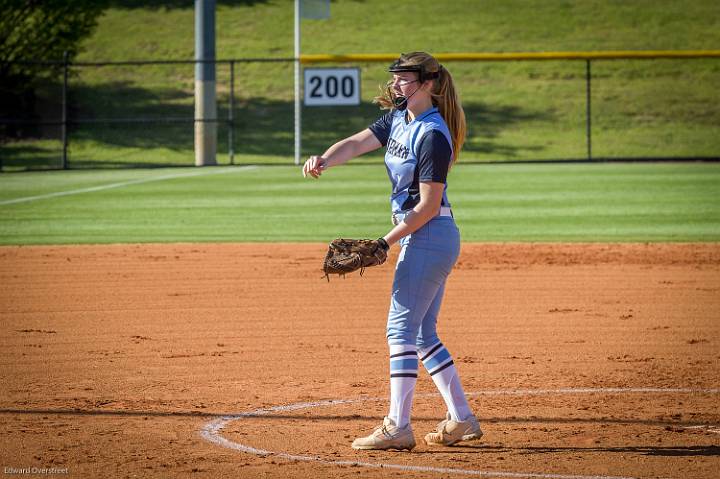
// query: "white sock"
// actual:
[[403, 376], [439, 364]]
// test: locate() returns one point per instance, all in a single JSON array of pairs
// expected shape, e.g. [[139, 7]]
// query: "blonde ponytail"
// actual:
[[444, 96], [446, 99]]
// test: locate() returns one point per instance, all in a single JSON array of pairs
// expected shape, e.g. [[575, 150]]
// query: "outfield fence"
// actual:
[[545, 106]]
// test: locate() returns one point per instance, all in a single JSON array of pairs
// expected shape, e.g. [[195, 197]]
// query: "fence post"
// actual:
[[231, 116], [298, 100], [64, 131], [588, 121]]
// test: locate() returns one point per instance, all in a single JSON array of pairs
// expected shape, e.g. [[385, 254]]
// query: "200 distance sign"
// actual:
[[332, 86]]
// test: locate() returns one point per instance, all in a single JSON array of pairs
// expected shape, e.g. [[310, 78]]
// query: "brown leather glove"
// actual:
[[348, 255]]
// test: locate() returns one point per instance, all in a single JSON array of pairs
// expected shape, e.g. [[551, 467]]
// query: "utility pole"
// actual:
[[205, 101]]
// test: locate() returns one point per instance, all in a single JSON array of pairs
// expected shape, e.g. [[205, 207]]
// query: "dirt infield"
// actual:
[[210, 360]]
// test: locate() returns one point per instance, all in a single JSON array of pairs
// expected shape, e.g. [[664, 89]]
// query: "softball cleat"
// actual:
[[451, 432], [387, 436]]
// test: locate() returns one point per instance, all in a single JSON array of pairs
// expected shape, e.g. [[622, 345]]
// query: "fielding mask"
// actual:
[[401, 65]]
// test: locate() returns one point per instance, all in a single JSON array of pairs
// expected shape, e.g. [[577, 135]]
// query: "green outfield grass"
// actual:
[[516, 110], [616, 202]]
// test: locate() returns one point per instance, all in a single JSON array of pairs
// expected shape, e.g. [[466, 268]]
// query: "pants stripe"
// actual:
[[435, 348], [406, 353]]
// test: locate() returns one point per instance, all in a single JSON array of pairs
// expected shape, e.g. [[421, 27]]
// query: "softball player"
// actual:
[[423, 132]]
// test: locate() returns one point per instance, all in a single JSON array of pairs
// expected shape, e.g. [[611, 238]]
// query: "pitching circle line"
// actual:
[[212, 431]]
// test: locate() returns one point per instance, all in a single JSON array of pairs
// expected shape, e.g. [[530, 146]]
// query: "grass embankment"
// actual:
[[516, 111]]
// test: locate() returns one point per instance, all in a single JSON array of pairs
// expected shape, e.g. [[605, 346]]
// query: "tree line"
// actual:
[[37, 30]]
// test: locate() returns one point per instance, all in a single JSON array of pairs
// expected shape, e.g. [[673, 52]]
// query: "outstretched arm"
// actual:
[[341, 152]]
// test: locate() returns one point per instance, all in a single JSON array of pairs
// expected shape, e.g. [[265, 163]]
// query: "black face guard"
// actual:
[[398, 67]]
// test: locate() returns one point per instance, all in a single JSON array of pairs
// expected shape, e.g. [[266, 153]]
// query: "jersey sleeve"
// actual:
[[434, 155], [381, 128]]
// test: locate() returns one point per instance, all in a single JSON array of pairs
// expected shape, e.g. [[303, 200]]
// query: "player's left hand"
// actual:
[[348, 255]]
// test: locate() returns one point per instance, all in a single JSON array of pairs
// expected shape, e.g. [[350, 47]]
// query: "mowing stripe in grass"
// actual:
[[91, 189], [615, 202]]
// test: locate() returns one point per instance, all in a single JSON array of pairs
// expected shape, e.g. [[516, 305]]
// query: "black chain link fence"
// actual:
[[141, 114]]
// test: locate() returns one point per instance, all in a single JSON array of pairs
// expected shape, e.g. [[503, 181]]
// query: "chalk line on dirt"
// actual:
[[212, 431]]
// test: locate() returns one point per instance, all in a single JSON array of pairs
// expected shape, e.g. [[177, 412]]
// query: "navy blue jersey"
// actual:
[[420, 150]]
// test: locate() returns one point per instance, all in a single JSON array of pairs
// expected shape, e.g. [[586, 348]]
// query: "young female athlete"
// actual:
[[423, 133]]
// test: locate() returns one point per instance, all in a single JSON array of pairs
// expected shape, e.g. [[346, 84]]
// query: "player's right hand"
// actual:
[[314, 166]]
